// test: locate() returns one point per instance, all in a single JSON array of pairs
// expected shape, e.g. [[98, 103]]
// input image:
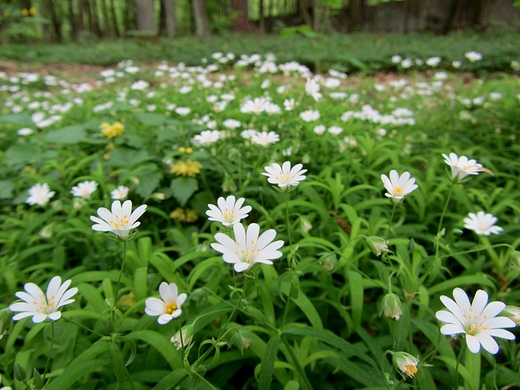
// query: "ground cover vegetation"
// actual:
[[247, 223]]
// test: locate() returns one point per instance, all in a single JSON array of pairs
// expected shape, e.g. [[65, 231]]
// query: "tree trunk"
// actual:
[[114, 18], [452, 15], [241, 24], [200, 14], [145, 16], [170, 19], [73, 20], [95, 18], [261, 18], [107, 31]]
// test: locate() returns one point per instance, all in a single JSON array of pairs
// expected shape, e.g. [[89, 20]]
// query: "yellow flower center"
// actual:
[[229, 216], [119, 222], [398, 190], [170, 308]]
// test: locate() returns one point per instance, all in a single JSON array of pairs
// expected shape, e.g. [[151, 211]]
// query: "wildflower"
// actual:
[[310, 115], [284, 176], [187, 336], [478, 321], [265, 138], [398, 186], [207, 137], [186, 168], [118, 221], [396, 59], [433, 61], [313, 88], [121, 192], [377, 245], [248, 248], [42, 306], [319, 129], [456, 64], [462, 167], [84, 189], [228, 211], [111, 130], [405, 363], [39, 194], [392, 306], [169, 307], [336, 130], [482, 223], [25, 131], [473, 56]]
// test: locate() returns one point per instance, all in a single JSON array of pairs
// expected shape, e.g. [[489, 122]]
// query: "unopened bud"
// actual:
[[405, 363], [391, 306], [377, 245]]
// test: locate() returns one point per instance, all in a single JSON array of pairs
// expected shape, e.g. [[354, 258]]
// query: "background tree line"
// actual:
[[81, 20]]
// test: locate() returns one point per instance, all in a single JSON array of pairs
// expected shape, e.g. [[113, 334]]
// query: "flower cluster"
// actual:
[[111, 130]]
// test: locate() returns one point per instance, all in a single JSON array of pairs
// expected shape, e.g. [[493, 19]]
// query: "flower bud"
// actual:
[[187, 335], [391, 306], [512, 312], [377, 245], [405, 363]]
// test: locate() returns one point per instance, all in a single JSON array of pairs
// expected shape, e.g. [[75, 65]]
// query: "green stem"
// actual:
[[290, 258], [48, 365], [297, 365], [118, 281], [439, 228], [462, 348], [390, 221], [83, 326]]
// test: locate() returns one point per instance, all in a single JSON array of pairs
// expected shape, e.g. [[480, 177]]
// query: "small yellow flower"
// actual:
[[111, 130], [25, 12], [186, 168], [184, 150], [7, 14], [32, 11]]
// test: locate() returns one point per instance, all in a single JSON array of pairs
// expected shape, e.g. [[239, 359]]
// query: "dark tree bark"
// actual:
[[168, 18], [95, 18], [241, 24], [55, 20], [454, 6], [200, 14], [114, 18], [105, 16], [73, 20], [261, 18], [145, 16]]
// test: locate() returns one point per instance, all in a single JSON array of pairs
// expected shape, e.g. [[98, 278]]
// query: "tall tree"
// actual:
[[200, 14], [241, 23], [170, 18], [145, 16]]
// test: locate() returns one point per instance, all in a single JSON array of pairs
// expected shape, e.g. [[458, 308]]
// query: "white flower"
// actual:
[[207, 137], [39, 194], [289, 104], [284, 176], [84, 189], [265, 138], [120, 220], [42, 306], [120, 192], [462, 167], [232, 123], [406, 363], [398, 186], [482, 223], [320, 129], [336, 130], [433, 61], [182, 111], [478, 320], [313, 88], [169, 307], [310, 115], [396, 59], [456, 64], [248, 248], [473, 56], [228, 211], [406, 63], [25, 131]]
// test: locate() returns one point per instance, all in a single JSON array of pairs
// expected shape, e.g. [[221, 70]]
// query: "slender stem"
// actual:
[[390, 221], [48, 365], [290, 259], [439, 228], [458, 363], [296, 364], [83, 326], [116, 293]]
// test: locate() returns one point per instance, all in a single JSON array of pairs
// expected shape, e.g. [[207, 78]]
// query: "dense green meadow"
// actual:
[[335, 274]]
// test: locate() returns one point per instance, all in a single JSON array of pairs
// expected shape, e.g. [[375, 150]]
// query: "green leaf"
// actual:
[[6, 189], [169, 134], [172, 380], [161, 344], [151, 119], [23, 154], [305, 305], [127, 157], [18, 119], [66, 135], [182, 188], [356, 297], [479, 279], [267, 365], [148, 182]]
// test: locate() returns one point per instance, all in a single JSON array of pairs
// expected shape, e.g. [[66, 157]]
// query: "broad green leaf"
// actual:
[[148, 182], [172, 380], [66, 135], [127, 157], [6, 189], [305, 306], [356, 297], [267, 364], [182, 188], [23, 154], [18, 119], [161, 344], [151, 119]]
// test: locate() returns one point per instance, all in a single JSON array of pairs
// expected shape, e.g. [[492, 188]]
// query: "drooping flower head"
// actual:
[[398, 186], [228, 211], [120, 220], [405, 363], [462, 167], [284, 176], [478, 320], [84, 189], [169, 307], [248, 248], [42, 306], [39, 194], [482, 223]]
